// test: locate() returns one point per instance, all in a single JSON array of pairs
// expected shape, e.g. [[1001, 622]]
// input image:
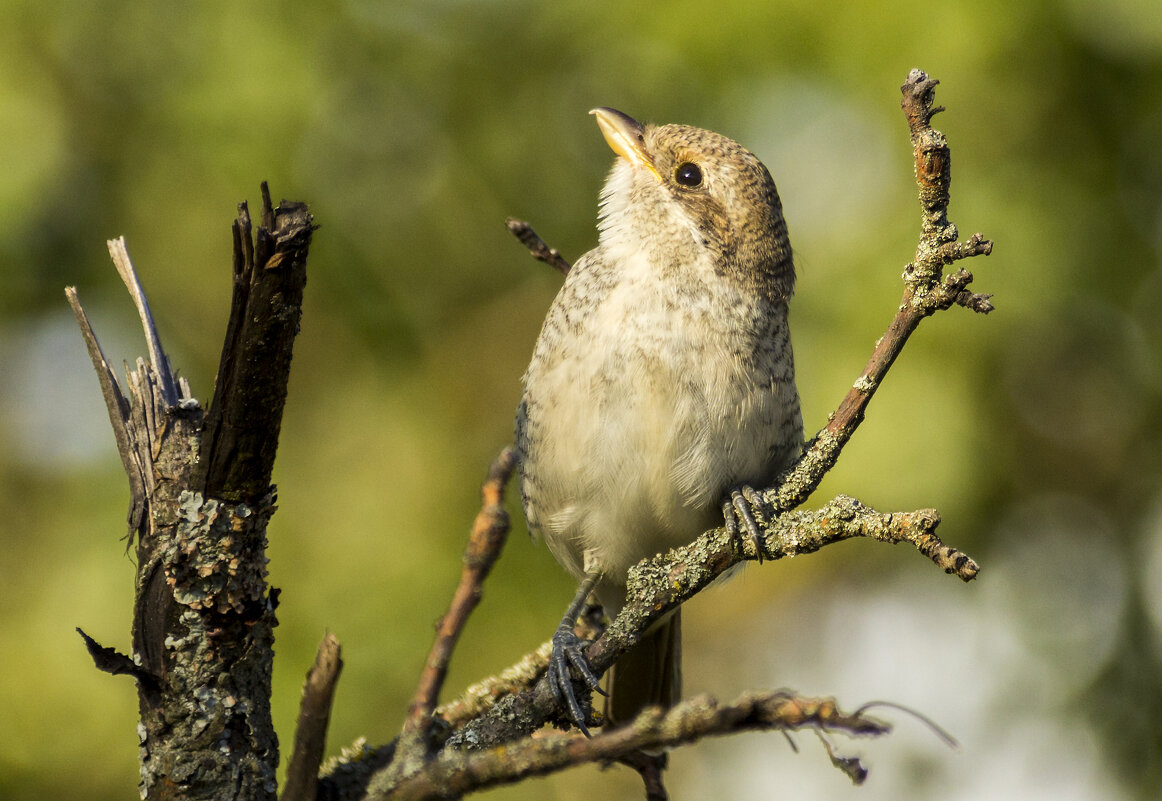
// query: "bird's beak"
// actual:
[[624, 135]]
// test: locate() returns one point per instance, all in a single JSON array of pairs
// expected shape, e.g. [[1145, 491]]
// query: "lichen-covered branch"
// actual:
[[455, 773], [661, 583], [482, 695], [926, 291]]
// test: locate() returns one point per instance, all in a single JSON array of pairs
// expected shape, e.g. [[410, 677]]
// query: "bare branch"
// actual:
[[537, 247], [119, 412], [240, 434], [485, 543], [489, 532], [650, 768], [302, 775]]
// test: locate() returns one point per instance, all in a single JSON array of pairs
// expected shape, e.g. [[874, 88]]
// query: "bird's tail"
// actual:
[[649, 674]]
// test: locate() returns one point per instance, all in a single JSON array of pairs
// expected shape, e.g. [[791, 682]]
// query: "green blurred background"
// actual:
[[413, 129]]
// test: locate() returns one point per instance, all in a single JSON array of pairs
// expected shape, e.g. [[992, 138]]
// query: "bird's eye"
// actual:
[[688, 175]]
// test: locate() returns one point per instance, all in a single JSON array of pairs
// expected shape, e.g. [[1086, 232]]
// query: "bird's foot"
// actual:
[[569, 650], [744, 512]]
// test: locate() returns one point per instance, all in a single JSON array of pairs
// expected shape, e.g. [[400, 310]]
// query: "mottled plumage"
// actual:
[[663, 378]]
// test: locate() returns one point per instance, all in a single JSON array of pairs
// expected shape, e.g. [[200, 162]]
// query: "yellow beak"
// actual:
[[624, 135]]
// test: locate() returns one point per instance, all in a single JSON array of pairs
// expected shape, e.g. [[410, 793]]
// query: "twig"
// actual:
[[537, 247], [489, 532], [663, 582], [119, 410], [454, 772], [650, 768], [925, 292], [302, 775]]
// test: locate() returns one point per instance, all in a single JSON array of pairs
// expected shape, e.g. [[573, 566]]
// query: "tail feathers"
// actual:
[[649, 674]]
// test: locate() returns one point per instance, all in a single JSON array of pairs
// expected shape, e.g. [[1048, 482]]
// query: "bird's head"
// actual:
[[696, 194]]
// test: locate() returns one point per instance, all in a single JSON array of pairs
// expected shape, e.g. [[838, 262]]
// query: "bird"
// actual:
[[661, 388]]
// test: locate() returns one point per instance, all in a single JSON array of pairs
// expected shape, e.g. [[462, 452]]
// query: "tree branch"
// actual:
[[489, 532], [926, 291], [157, 357], [302, 773], [119, 413], [240, 434], [485, 543], [662, 583], [454, 773]]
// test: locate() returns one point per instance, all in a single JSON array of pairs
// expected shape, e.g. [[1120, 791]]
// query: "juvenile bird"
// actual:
[[662, 387]]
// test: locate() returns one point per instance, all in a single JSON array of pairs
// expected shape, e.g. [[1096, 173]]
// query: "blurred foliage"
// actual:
[[413, 128]]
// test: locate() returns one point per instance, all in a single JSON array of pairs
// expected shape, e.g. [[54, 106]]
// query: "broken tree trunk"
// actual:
[[201, 497]]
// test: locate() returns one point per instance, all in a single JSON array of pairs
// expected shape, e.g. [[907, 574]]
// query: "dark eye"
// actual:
[[688, 175]]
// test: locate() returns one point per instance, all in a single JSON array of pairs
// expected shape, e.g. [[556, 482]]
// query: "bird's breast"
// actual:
[[668, 391]]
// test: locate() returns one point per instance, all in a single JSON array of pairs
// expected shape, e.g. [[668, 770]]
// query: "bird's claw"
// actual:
[[569, 649], [744, 506]]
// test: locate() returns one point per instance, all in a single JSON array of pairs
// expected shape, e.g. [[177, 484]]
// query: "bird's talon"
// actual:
[[744, 516], [569, 650]]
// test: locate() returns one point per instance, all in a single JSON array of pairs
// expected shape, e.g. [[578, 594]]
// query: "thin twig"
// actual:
[[650, 768], [537, 247], [489, 532], [302, 775]]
